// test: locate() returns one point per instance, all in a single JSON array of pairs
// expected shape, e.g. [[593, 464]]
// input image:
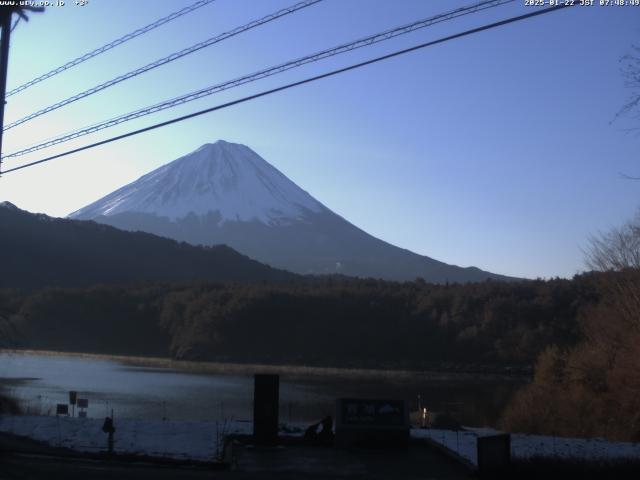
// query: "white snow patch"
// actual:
[[192, 440], [464, 443], [181, 440]]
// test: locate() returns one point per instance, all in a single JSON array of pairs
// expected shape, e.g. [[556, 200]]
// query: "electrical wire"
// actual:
[[330, 52], [163, 61], [295, 84], [110, 45]]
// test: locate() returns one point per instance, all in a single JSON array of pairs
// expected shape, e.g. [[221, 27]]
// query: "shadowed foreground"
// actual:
[[35, 461]]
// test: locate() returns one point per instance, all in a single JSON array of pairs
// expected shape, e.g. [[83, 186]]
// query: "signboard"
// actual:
[[72, 397], [83, 403], [376, 423], [62, 409], [373, 413]]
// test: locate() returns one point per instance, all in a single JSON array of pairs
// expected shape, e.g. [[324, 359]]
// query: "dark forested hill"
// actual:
[[333, 322], [41, 251]]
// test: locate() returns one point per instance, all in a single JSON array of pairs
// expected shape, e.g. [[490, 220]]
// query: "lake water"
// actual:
[[40, 381]]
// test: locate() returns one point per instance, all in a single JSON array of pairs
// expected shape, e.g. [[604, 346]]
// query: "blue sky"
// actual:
[[495, 150]]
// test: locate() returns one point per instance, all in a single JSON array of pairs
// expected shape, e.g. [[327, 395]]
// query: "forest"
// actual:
[[334, 322]]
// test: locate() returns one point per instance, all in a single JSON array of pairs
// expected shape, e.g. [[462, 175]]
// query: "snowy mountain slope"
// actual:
[[225, 193], [228, 178]]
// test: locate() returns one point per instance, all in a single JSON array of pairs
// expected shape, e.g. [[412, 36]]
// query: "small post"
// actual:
[[111, 432], [73, 396]]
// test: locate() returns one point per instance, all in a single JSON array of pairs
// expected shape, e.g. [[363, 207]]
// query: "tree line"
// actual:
[[331, 322]]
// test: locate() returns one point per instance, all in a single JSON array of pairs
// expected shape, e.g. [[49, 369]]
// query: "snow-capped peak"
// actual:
[[227, 178]]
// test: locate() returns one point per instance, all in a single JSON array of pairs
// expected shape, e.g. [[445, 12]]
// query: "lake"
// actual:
[[156, 389]]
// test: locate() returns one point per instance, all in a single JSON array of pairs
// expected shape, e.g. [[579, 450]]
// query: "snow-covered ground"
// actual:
[[202, 440], [526, 446], [181, 440]]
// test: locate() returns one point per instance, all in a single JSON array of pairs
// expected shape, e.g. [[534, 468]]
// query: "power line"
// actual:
[[168, 59], [330, 52], [110, 45], [295, 84]]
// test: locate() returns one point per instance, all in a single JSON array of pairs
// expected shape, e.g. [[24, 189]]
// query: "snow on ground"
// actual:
[[526, 446], [202, 440], [182, 440]]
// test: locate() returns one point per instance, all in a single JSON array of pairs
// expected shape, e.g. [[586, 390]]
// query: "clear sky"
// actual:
[[495, 150]]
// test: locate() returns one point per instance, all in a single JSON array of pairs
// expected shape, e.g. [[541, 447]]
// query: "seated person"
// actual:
[[325, 436]]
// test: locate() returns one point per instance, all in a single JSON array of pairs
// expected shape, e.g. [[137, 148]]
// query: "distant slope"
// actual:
[[225, 193], [43, 251], [324, 244]]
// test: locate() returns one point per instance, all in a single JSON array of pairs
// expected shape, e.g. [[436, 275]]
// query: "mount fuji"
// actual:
[[225, 193]]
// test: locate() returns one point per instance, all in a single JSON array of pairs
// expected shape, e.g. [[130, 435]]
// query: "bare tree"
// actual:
[[593, 388], [617, 250], [631, 73]]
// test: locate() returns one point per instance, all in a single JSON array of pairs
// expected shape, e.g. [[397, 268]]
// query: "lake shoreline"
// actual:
[[292, 371], [152, 388]]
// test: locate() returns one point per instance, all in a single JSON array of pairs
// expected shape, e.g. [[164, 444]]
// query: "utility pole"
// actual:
[[4, 63], [5, 22]]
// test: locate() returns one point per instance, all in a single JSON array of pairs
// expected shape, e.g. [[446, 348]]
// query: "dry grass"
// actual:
[[289, 371]]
